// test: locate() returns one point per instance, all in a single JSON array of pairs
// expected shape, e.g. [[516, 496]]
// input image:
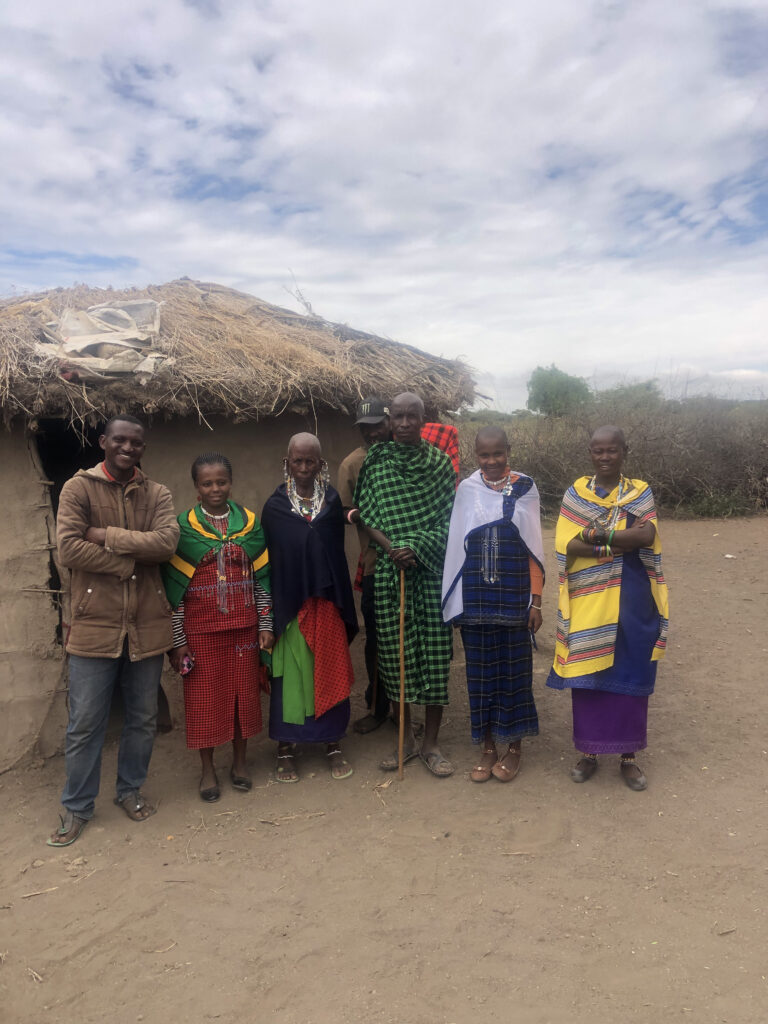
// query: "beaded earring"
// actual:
[[325, 476]]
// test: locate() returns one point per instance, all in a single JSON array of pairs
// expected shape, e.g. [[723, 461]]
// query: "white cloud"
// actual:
[[516, 183]]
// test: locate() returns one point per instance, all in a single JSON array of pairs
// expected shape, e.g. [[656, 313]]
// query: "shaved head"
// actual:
[[305, 440], [409, 398], [609, 434], [489, 435], [407, 418]]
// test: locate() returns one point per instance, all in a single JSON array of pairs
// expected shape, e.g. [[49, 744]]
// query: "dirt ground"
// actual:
[[430, 901]]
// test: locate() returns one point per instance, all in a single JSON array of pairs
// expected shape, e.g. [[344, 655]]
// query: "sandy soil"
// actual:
[[430, 901]]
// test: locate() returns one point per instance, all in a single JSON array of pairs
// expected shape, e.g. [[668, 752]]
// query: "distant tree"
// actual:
[[556, 393]]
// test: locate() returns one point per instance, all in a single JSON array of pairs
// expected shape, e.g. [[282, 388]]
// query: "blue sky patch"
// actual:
[[49, 258], [198, 185]]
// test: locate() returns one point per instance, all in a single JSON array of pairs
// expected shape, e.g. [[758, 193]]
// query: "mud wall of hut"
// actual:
[[31, 660]]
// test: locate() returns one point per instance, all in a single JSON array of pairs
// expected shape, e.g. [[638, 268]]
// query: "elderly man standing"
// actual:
[[114, 529], [373, 421], [404, 495]]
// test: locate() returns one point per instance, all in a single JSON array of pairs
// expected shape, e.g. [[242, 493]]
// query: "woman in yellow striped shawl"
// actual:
[[612, 611]]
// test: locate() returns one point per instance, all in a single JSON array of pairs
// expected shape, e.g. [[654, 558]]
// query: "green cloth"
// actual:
[[406, 492], [294, 661], [198, 537]]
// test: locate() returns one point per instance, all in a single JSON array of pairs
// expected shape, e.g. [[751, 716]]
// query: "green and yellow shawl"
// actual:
[[198, 537]]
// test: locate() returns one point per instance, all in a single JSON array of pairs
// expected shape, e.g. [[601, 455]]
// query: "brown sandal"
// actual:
[[135, 806], [482, 771], [500, 770]]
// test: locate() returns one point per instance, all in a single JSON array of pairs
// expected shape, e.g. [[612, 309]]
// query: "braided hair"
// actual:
[[211, 459]]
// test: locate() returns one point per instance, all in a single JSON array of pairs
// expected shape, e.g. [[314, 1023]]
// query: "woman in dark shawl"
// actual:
[[314, 613]]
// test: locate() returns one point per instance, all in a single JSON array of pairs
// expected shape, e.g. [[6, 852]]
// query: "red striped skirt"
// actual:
[[224, 687]]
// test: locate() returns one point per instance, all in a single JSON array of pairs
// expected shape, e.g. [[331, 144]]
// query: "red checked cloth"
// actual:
[[224, 685], [446, 438]]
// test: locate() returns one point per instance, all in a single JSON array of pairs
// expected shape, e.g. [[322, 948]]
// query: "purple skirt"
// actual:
[[609, 723], [328, 728]]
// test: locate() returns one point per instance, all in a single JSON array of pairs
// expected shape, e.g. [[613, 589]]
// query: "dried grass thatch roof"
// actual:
[[228, 353]]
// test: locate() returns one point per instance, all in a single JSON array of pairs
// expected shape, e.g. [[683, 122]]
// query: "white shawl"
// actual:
[[476, 506]]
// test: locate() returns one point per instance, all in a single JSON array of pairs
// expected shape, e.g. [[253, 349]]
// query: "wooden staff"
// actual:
[[401, 717]]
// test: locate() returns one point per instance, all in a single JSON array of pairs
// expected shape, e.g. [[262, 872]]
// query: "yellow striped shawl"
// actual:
[[588, 606]]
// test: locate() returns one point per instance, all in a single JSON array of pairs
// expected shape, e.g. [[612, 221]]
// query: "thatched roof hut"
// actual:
[[226, 352], [211, 368]]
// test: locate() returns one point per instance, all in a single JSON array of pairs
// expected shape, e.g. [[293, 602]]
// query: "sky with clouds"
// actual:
[[510, 182]]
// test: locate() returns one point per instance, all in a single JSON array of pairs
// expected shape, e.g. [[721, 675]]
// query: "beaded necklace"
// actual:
[[489, 554], [609, 518], [215, 515], [503, 486], [305, 506], [220, 522]]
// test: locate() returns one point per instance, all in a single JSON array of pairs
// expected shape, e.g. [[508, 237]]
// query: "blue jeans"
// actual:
[[91, 685]]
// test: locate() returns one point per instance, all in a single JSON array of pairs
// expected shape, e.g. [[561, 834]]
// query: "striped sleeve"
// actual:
[[263, 606], [177, 625]]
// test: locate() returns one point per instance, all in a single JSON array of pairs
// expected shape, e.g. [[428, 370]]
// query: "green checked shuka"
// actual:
[[407, 491]]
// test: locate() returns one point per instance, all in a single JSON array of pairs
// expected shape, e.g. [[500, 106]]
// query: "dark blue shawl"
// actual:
[[307, 559]]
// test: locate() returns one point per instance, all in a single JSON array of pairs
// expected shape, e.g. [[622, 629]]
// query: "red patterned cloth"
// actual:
[[446, 438], [323, 629], [201, 601], [223, 687], [222, 690]]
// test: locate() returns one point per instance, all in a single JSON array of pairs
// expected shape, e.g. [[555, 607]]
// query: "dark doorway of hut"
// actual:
[[63, 450]]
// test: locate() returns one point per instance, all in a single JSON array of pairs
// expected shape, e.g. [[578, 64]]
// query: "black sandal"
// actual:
[[212, 793]]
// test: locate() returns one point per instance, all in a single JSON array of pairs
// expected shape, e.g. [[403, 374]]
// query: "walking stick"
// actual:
[[401, 717]]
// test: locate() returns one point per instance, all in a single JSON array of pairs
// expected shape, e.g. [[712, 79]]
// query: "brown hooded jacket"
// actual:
[[116, 590]]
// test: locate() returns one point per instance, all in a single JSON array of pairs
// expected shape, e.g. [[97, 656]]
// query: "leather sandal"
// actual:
[[584, 769], [135, 805], [482, 771], [501, 772]]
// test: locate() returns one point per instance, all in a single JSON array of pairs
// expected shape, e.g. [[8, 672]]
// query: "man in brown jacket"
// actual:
[[114, 529]]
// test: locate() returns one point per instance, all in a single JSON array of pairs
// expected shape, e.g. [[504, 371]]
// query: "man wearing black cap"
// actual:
[[373, 421]]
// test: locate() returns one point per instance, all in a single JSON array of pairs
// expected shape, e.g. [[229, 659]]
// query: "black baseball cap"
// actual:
[[371, 410]]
